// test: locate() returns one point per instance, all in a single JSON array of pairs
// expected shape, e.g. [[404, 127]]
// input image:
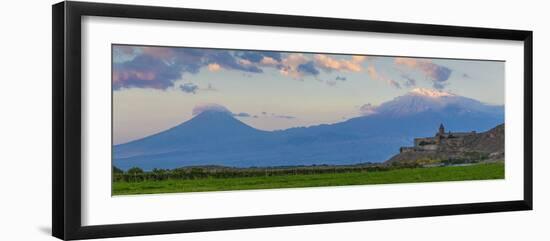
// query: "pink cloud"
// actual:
[[290, 65], [436, 73], [329, 63], [359, 58], [120, 76], [214, 67], [268, 61], [373, 74], [159, 52]]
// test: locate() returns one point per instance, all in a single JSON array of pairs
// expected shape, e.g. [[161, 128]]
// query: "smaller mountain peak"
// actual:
[[430, 92]]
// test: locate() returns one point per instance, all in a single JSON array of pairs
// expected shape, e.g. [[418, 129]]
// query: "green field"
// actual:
[[405, 175]]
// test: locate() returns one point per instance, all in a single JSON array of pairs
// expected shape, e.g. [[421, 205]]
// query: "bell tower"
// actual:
[[441, 130]]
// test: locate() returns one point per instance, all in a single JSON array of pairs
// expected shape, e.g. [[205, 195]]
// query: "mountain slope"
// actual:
[[208, 126]]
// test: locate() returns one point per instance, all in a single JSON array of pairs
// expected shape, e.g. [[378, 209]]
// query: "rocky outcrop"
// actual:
[[485, 146]]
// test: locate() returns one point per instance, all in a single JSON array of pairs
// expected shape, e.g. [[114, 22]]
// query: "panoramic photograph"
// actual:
[[188, 119]]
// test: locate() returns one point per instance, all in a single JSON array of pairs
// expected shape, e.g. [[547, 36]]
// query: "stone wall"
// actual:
[[424, 141]]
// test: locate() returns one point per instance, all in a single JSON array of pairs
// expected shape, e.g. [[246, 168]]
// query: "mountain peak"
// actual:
[[210, 107], [214, 115], [421, 100], [433, 93]]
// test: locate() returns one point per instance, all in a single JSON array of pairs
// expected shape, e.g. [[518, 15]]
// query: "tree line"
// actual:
[[136, 174]]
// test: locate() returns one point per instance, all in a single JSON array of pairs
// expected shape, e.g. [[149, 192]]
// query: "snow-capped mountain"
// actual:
[[430, 93], [215, 137], [420, 100]]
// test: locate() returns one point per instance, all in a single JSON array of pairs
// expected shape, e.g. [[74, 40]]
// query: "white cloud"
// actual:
[[209, 107], [367, 109]]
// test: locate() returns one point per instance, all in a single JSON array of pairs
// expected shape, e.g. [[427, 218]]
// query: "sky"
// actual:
[[156, 88]]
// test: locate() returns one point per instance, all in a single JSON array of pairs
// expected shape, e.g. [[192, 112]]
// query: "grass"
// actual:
[[408, 175]]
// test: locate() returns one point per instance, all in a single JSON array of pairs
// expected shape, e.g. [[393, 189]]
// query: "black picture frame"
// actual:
[[66, 170]]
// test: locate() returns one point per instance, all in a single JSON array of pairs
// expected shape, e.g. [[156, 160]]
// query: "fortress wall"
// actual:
[[453, 142], [418, 141], [407, 149], [431, 147]]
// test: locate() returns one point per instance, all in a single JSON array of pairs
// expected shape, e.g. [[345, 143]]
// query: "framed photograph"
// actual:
[[170, 120]]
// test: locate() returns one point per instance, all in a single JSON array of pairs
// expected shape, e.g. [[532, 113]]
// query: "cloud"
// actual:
[[259, 56], [210, 107], [328, 63], [409, 81], [308, 68], [341, 78], [192, 88], [439, 85], [242, 114], [289, 65], [359, 58], [273, 115], [144, 71], [160, 67], [335, 81], [373, 74], [284, 116], [214, 67], [159, 52], [245, 62], [219, 108], [124, 49], [262, 58], [436, 73], [228, 61], [189, 88], [367, 109], [123, 53], [268, 61]]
